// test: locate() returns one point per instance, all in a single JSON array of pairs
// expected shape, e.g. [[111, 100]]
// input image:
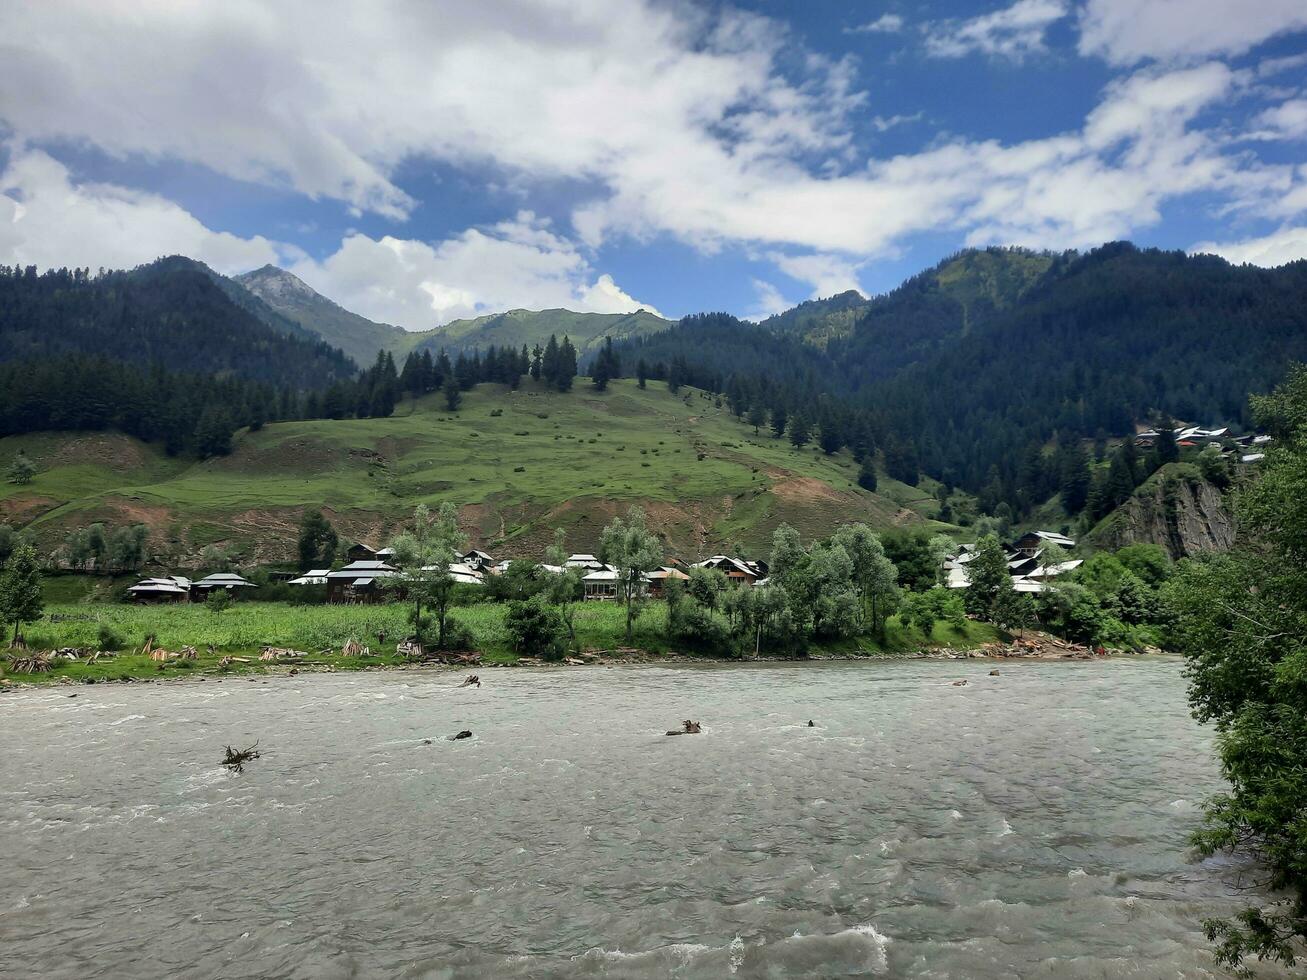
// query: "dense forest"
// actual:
[[165, 353], [991, 378]]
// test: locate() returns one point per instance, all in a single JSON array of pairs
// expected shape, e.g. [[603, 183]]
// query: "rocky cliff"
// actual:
[[1176, 509]]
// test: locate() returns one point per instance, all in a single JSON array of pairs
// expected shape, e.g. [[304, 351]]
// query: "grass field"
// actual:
[[518, 463], [321, 630]]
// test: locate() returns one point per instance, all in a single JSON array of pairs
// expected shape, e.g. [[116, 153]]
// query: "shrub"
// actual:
[[536, 629], [108, 639], [458, 635], [496, 412]]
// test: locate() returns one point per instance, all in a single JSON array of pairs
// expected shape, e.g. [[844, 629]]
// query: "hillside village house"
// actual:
[[361, 552], [1028, 573], [174, 588], [601, 583], [739, 571], [314, 576], [223, 580], [359, 582], [656, 581]]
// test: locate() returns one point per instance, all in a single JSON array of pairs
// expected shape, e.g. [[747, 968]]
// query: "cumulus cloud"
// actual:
[[1286, 121], [419, 285], [705, 124], [827, 274], [49, 219], [884, 24], [769, 301], [1285, 245], [1125, 32], [1014, 32]]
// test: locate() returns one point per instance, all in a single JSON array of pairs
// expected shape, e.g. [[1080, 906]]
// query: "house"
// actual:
[[361, 552], [658, 579], [478, 560], [1032, 541], [1053, 571], [1023, 583], [738, 571], [600, 584], [464, 573], [222, 580], [359, 582], [173, 588], [315, 576], [1022, 563], [589, 562]]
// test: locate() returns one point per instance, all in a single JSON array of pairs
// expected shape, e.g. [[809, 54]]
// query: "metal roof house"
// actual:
[[228, 581], [315, 576], [359, 582], [172, 588]]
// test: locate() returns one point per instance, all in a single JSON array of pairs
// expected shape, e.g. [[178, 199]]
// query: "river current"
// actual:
[[1031, 824]]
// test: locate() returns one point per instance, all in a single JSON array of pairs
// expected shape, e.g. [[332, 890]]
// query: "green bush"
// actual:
[[107, 638], [536, 629]]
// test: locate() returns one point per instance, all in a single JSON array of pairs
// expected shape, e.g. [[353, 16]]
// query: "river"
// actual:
[[1029, 824]]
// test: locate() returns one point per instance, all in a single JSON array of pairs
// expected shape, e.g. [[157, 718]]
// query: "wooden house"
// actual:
[[658, 579], [738, 571], [173, 588], [359, 582], [229, 581]]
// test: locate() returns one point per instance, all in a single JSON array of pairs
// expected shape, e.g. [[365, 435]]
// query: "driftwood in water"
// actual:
[[687, 728], [235, 760], [471, 680], [459, 735]]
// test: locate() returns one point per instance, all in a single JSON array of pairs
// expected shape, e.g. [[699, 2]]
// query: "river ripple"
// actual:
[[1030, 824]]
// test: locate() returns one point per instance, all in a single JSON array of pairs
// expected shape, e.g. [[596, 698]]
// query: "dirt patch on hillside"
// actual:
[[117, 452], [22, 510], [806, 490]]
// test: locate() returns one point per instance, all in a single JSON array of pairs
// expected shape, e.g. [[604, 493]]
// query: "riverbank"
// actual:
[[99, 642], [73, 667]]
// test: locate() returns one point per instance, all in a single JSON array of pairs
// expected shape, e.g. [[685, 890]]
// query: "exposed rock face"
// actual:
[[1182, 513]]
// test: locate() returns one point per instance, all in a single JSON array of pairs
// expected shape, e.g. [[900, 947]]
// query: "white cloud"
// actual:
[[49, 220], [1013, 32], [769, 302], [419, 285], [827, 274], [885, 123], [710, 126], [884, 24], [1286, 121], [1285, 245], [1125, 32]]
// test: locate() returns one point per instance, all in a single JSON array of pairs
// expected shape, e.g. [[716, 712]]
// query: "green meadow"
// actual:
[[320, 631], [519, 463]]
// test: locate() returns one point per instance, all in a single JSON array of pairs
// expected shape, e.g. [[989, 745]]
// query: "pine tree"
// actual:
[[317, 540], [641, 373], [778, 419], [213, 433], [799, 431], [867, 474], [453, 393]]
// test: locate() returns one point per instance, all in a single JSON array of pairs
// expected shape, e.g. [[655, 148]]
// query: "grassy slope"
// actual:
[[550, 459], [321, 630]]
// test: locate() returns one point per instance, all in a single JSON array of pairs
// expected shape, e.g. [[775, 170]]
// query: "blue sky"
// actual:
[[420, 161]]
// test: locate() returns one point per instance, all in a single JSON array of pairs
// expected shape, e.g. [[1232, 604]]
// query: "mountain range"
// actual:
[[990, 372], [360, 338]]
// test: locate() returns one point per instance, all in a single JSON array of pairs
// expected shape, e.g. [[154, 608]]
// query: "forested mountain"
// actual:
[[171, 312], [294, 299], [816, 320], [975, 370], [170, 352]]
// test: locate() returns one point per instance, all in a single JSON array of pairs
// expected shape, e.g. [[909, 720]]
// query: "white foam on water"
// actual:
[[737, 955], [123, 721], [1007, 827]]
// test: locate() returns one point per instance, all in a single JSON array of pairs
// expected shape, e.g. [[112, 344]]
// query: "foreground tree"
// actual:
[[21, 599], [1241, 621], [990, 584], [423, 554], [630, 547]]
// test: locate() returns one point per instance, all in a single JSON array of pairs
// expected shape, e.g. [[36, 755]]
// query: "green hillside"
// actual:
[[545, 460]]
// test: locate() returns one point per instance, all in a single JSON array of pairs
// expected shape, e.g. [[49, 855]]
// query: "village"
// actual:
[[369, 577]]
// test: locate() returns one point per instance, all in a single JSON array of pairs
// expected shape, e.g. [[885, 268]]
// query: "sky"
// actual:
[[419, 161]]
